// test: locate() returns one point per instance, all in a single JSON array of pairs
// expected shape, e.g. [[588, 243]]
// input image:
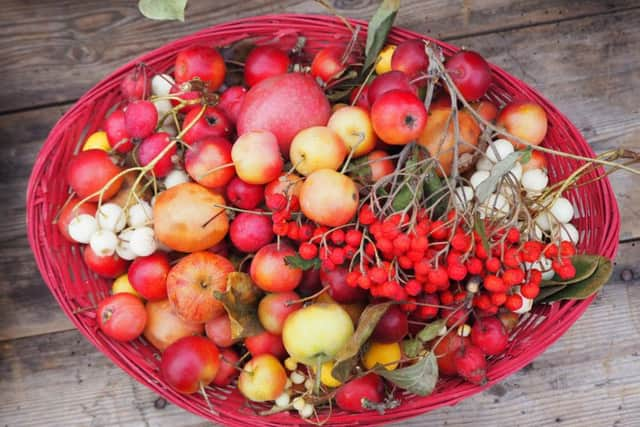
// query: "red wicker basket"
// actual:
[[75, 288]]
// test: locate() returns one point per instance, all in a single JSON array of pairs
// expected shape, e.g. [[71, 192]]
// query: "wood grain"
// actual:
[[589, 377], [53, 51]]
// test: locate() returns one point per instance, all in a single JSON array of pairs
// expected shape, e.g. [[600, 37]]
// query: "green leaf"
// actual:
[[379, 27], [411, 348], [587, 287], [241, 303], [433, 187], [526, 155], [296, 261], [163, 10], [431, 330], [346, 359], [360, 169], [547, 292], [585, 266], [478, 225], [402, 198], [419, 378], [489, 185]]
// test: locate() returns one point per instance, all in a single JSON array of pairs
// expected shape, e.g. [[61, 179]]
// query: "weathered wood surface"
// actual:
[[53, 51], [590, 377]]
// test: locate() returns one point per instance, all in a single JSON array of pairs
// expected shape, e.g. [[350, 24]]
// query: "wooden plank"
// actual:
[[56, 51], [591, 376]]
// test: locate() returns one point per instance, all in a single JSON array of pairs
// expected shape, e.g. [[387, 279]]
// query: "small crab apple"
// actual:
[[110, 266], [383, 62], [274, 308], [486, 109], [200, 62], [327, 64], [263, 378], [189, 100], [151, 147], [353, 126], [190, 364], [264, 62], [271, 273], [446, 350], [410, 57], [393, 80], [471, 364], [117, 134], [353, 394], [140, 119], [121, 317], [111, 217], [208, 162], [244, 195], [536, 161], [136, 84], [490, 335], [525, 120], [329, 198], [380, 164], [339, 290], [392, 326], [228, 370], [251, 231], [359, 97], [93, 171], [164, 327], [256, 156], [218, 329], [231, 102], [148, 276], [265, 343], [470, 73], [315, 148], [398, 117], [212, 123]]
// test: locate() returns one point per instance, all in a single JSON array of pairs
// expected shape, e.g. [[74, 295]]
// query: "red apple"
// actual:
[[351, 396], [256, 157], [264, 62], [218, 330], [164, 327], [117, 132], [486, 109], [213, 123], [193, 99], [121, 317], [266, 343], [310, 283], [251, 231], [90, 171], [208, 162], [231, 102], [398, 117], [148, 276], [228, 369], [270, 272], [200, 62], [380, 164], [190, 364], [108, 266], [140, 119], [363, 97], [136, 84], [392, 327], [410, 58], [327, 64], [470, 73], [244, 195], [274, 309], [393, 80], [151, 147], [262, 378], [339, 291]]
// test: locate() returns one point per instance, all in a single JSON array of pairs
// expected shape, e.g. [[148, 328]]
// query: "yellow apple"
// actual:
[[353, 126], [317, 148], [263, 378]]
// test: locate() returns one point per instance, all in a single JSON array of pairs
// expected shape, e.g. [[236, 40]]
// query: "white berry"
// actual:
[[142, 241], [562, 210], [163, 106], [484, 164], [111, 217], [306, 411], [569, 232], [534, 180], [123, 249], [544, 220], [499, 150], [298, 403], [161, 84], [544, 265], [104, 242], [82, 227], [297, 377], [175, 177], [463, 196], [526, 306], [283, 400], [140, 214], [169, 127], [478, 177], [516, 172], [495, 205]]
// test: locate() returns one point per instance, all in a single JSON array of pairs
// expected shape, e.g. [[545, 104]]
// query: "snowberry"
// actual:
[[544, 220], [111, 217], [161, 84], [163, 106], [175, 177], [298, 403], [562, 210], [283, 400], [139, 214], [306, 411], [82, 227], [495, 205], [169, 128], [123, 249], [142, 241], [544, 265], [534, 180], [463, 196], [516, 172], [104, 242], [499, 149], [297, 378], [569, 232], [478, 177], [484, 164]]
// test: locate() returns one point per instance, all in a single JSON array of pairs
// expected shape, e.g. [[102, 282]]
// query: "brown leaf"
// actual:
[[241, 303]]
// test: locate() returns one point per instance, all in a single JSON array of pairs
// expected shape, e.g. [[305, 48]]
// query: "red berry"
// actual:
[[439, 277], [337, 256], [328, 265], [364, 282], [471, 364], [305, 232], [531, 251], [551, 251], [460, 296], [276, 202], [405, 262], [337, 237], [513, 276], [318, 233], [376, 229], [423, 228], [494, 284], [413, 287], [419, 243], [280, 228], [482, 301], [513, 235], [353, 238], [370, 250], [385, 245], [281, 215], [439, 230], [567, 271], [430, 288], [366, 215], [349, 251], [402, 243], [513, 302], [446, 298], [493, 265], [512, 258], [474, 266], [530, 290], [498, 298], [294, 203], [461, 242], [293, 231], [567, 249], [481, 252], [377, 275], [389, 229], [422, 267], [456, 271], [352, 278], [535, 276], [308, 250]]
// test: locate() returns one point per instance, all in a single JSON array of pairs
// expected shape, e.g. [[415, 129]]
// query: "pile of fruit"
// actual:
[[323, 231]]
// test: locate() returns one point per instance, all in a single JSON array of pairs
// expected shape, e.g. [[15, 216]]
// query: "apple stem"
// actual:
[[305, 299], [217, 168], [316, 383], [206, 398]]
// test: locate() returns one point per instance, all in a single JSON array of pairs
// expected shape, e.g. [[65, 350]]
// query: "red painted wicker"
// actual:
[[75, 288]]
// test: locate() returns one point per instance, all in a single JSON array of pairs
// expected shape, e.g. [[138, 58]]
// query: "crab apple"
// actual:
[[380, 165], [190, 364], [411, 58], [231, 102], [212, 123], [256, 157], [525, 120], [353, 395], [148, 276], [327, 64], [353, 126], [383, 62], [251, 231], [136, 84], [208, 162], [360, 97], [72, 210], [90, 171], [121, 317], [315, 148], [486, 109], [108, 266], [339, 290], [271, 273], [200, 62], [392, 326], [274, 308], [471, 364], [329, 198], [398, 117], [164, 327], [117, 134], [393, 80], [470, 73], [140, 119], [537, 160], [262, 378], [189, 218], [191, 100], [228, 370], [218, 329], [287, 184], [265, 343], [284, 105], [310, 283], [446, 350], [193, 282], [151, 147], [243, 194], [264, 62], [490, 335]]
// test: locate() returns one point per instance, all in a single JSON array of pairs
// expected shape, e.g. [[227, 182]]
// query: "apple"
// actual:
[[269, 270], [536, 161], [151, 147], [287, 184], [251, 231], [192, 99], [192, 283], [212, 123], [164, 326], [353, 126], [200, 62], [486, 109], [274, 308], [310, 283], [231, 102], [383, 63], [190, 364], [446, 350], [398, 117], [265, 343], [411, 58], [380, 164], [136, 84], [336, 281], [525, 120], [284, 105], [262, 378], [117, 133], [327, 63], [208, 162], [314, 334], [110, 266], [140, 119], [392, 326], [228, 369], [351, 396], [218, 329], [393, 80], [148, 276], [264, 62], [315, 148], [329, 198], [121, 317], [71, 210], [470, 73], [362, 99], [90, 171], [122, 285], [244, 195], [353, 310], [256, 157]]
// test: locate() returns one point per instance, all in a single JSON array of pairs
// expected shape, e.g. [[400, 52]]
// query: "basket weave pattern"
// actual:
[[75, 288]]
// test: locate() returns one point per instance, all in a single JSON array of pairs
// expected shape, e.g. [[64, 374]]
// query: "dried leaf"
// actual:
[[419, 378], [346, 358], [489, 185], [379, 27], [241, 303], [163, 10], [587, 287], [431, 331], [585, 266], [296, 261]]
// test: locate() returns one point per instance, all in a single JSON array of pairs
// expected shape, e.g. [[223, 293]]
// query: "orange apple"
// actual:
[[329, 198], [269, 270], [256, 156], [380, 165], [164, 327], [524, 119], [317, 147]]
